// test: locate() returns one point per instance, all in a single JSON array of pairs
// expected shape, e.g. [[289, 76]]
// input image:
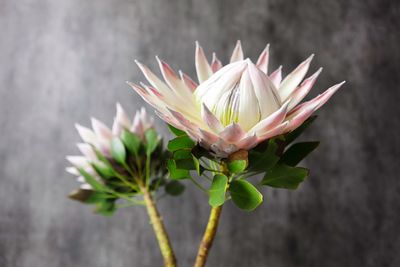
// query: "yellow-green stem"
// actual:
[[208, 237], [159, 229]]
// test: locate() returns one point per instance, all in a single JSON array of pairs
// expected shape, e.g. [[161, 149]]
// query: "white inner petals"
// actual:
[[238, 93]]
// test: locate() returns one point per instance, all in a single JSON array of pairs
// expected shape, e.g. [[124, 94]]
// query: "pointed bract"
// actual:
[[237, 53], [263, 60], [203, 68]]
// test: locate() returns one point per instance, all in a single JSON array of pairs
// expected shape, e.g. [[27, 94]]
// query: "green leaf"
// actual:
[[174, 188], [103, 169], [106, 208], [297, 152], [185, 164], [182, 154], [264, 161], [96, 197], [118, 150], [245, 195], [151, 140], [237, 166], [181, 142], [175, 173], [290, 137], [217, 191], [131, 141], [92, 181], [283, 176], [176, 131]]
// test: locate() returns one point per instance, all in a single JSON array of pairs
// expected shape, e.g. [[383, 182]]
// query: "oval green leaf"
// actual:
[[181, 142], [218, 190], [297, 152], [245, 195], [283, 176], [176, 174]]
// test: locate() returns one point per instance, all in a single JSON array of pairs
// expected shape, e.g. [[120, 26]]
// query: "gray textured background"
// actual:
[[62, 61]]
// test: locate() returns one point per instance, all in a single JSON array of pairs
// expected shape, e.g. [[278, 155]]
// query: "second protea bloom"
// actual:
[[100, 139], [235, 106]]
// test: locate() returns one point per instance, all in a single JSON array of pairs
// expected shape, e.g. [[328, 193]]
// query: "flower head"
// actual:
[[235, 106], [99, 140]]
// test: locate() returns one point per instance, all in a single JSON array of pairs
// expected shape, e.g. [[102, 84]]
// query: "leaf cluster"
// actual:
[[274, 160]]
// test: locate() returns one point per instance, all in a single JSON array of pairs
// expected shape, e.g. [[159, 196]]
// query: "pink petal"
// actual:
[[86, 134], [203, 68], [237, 53], [248, 142], [87, 151], [78, 161], [299, 118], [318, 101], [137, 88], [188, 81], [274, 132], [156, 82], [300, 92], [169, 120], [122, 118], [151, 96], [86, 186], [173, 81], [137, 126], [271, 121], [276, 77], [72, 170], [144, 94], [216, 63], [232, 133], [116, 128], [262, 62], [294, 78], [210, 119], [183, 121], [147, 121], [101, 130], [207, 136], [105, 148]]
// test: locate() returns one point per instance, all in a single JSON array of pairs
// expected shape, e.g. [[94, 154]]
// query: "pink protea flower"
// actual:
[[100, 139], [235, 106]]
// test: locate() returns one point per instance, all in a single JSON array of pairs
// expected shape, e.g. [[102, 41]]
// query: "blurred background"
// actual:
[[64, 61]]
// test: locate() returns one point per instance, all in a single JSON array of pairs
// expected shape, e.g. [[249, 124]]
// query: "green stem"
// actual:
[[208, 237], [211, 229], [159, 228], [148, 169]]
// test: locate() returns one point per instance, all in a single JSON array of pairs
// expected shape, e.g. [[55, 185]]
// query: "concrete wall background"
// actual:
[[63, 61]]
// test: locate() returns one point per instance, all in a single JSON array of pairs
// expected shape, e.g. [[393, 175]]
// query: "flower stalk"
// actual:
[[159, 229], [208, 236], [211, 230]]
